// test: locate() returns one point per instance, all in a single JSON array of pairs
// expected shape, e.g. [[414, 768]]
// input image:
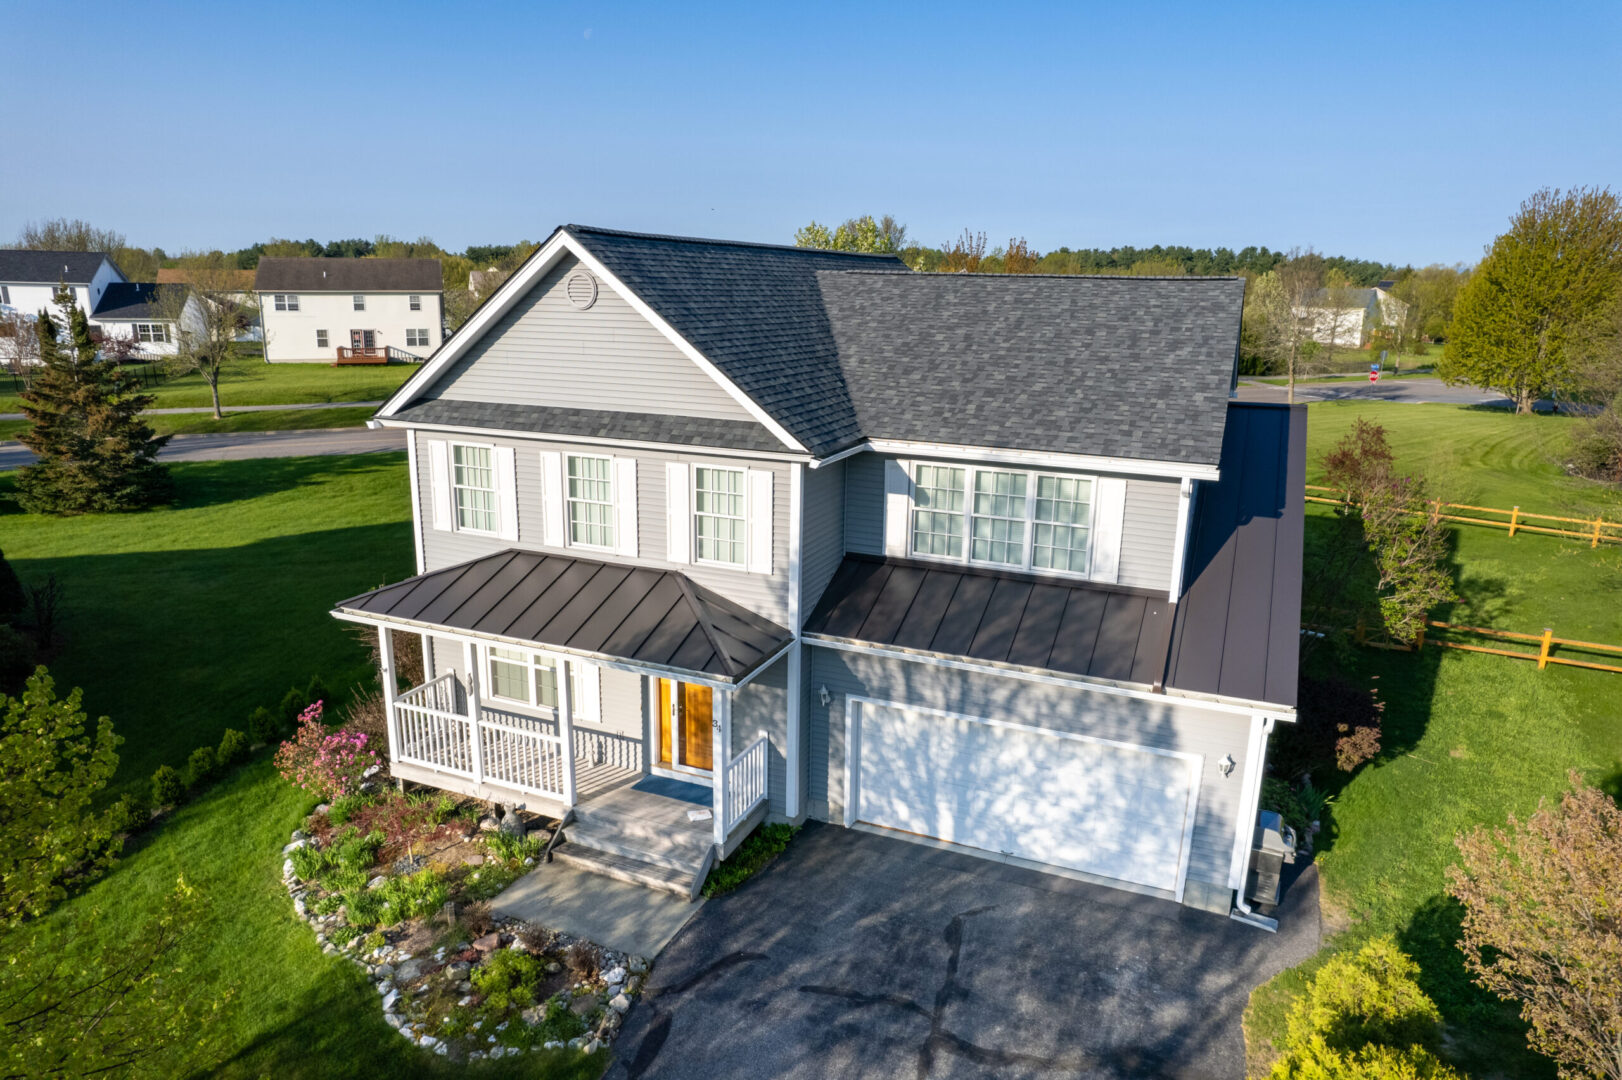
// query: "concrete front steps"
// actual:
[[641, 838]]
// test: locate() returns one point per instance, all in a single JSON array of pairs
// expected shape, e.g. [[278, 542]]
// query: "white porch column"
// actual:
[[720, 758], [566, 728], [385, 672], [475, 707]]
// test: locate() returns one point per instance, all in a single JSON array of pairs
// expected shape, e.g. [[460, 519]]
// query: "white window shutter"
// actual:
[[897, 507], [552, 523], [625, 504], [758, 514], [678, 513], [588, 683], [439, 482], [1109, 514], [506, 463]]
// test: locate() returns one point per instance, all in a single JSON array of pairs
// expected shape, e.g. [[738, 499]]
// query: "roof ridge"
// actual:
[[964, 276], [602, 231], [701, 615]]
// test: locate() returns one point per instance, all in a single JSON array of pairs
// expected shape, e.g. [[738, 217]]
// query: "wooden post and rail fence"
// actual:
[[1546, 643], [1595, 530]]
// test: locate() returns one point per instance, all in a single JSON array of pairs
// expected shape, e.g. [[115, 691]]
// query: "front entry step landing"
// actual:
[[643, 838]]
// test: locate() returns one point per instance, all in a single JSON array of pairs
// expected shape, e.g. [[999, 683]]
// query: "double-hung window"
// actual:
[[522, 677], [360, 302], [416, 302], [718, 514], [590, 498], [153, 332], [473, 488], [1002, 517], [417, 337], [321, 339], [286, 302]]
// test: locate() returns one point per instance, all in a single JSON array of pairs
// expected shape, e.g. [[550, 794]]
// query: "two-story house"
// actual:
[[350, 310], [713, 532], [29, 280]]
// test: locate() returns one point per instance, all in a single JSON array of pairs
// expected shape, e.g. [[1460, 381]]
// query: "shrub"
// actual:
[[509, 979], [1315, 1060], [1369, 996], [325, 762], [16, 660], [316, 691], [265, 726], [294, 702], [1338, 723], [129, 813], [233, 748], [753, 855], [167, 786], [200, 766], [582, 961]]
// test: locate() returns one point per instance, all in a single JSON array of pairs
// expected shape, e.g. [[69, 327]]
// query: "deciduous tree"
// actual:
[[1543, 925], [1557, 268], [883, 236], [208, 314]]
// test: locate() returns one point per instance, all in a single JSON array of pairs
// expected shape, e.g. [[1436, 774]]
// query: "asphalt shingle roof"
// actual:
[[277, 274], [128, 300], [49, 267], [595, 424], [839, 347]]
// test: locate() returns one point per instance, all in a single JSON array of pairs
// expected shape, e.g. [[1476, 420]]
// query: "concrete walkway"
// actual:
[[627, 918], [240, 408], [236, 446]]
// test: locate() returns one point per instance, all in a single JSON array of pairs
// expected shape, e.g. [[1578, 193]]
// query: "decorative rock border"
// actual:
[[406, 981]]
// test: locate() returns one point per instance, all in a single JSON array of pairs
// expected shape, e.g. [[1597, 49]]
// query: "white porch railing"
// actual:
[[430, 730], [745, 786], [523, 755]]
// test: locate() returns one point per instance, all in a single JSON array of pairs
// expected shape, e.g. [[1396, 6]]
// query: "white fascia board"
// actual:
[[1079, 682], [1039, 459], [588, 440]]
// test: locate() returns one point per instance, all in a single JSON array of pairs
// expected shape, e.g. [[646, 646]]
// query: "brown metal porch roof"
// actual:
[[658, 618]]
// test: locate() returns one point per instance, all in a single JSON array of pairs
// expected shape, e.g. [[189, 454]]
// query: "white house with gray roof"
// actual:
[[711, 533], [29, 280], [350, 310]]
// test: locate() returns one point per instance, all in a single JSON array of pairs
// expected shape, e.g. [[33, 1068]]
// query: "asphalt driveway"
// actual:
[[857, 955]]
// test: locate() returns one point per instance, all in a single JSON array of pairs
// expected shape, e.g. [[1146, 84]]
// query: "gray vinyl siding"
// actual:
[[822, 524], [864, 504], [766, 594], [1149, 533], [1171, 725], [623, 699], [763, 706], [545, 351]]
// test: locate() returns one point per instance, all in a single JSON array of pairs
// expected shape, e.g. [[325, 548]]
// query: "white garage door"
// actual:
[[1103, 807]]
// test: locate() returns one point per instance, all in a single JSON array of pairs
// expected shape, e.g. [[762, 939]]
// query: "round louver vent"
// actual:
[[582, 289]]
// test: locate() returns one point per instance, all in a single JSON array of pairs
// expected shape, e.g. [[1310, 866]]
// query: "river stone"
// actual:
[[488, 943], [620, 1003], [410, 971]]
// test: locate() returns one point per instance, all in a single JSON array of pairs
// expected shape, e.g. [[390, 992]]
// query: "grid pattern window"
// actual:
[[474, 485], [360, 302], [417, 337], [718, 514], [1062, 523], [937, 514], [416, 302], [153, 332], [998, 526], [522, 677], [321, 339], [591, 501], [286, 302]]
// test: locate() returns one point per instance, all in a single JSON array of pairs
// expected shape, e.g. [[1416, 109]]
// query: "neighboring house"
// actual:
[[709, 533], [131, 311], [1348, 316], [29, 280], [350, 310], [244, 296], [480, 282]]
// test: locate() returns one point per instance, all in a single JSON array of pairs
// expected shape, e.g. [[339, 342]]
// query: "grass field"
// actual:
[[253, 382], [1469, 738], [202, 423], [177, 623]]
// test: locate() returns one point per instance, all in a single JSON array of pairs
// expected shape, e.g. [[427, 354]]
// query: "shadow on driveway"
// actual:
[[857, 955]]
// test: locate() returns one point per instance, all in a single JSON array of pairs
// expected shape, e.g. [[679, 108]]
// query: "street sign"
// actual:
[[1374, 376]]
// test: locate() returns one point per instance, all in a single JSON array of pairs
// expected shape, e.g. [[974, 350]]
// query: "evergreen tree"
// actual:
[[95, 453]]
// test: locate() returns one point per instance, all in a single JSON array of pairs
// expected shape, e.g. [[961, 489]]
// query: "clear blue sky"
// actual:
[[1406, 132]]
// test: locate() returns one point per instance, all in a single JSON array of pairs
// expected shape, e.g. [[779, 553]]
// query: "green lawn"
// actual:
[[253, 382], [1468, 738], [177, 623], [200, 423]]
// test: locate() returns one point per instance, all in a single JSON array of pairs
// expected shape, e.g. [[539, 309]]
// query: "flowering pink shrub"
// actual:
[[326, 763]]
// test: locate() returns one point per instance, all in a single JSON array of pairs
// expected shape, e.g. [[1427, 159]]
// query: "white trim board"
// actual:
[[408, 424], [1032, 459], [508, 294]]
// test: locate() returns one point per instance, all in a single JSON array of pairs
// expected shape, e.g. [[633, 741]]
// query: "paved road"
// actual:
[[252, 444], [240, 408], [861, 956], [1411, 390]]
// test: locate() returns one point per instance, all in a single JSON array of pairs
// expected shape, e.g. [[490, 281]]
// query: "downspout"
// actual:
[[1252, 806]]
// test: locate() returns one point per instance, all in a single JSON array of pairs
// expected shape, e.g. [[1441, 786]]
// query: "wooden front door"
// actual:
[[686, 725]]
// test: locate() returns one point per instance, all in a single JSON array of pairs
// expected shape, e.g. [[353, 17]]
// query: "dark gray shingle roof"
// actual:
[[49, 267], [839, 347], [595, 424], [655, 617], [129, 300], [348, 275]]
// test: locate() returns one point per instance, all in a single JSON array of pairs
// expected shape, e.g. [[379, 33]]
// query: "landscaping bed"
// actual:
[[399, 884]]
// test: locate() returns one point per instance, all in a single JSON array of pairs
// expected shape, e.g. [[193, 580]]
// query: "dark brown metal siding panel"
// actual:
[[739, 654], [541, 577], [557, 596], [1149, 661], [1033, 644], [846, 617], [667, 637], [445, 606], [1284, 621], [427, 591], [631, 636], [754, 640], [696, 653], [1077, 639], [586, 602], [1000, 622], [1118, 637], [890, 608], [962, 619], [1250, 599], [478, 607], [383, 601], [1203, 615], [615, 609], [923, 621]]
